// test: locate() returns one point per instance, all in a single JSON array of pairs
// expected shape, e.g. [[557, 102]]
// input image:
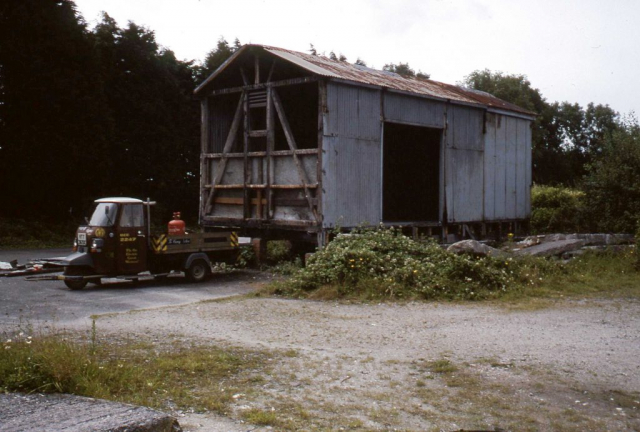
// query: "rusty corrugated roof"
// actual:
[[326, 67]]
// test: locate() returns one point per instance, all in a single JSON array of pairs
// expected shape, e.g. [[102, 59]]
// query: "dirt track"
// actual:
[[574, 366]]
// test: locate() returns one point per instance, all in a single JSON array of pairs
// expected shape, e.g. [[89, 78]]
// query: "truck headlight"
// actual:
[[97, 244], [75, 245]]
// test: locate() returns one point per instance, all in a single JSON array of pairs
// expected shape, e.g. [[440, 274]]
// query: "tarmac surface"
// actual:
[[51, 302], [36, 413]]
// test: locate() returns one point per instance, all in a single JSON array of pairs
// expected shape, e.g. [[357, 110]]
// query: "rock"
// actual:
[[530, 241], [474, 247], [588, 238], [551, 248], [36, 412], [573, 254]]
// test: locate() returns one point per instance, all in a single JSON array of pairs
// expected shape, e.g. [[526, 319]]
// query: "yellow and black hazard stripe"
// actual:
[[233, 239], [159, 243]]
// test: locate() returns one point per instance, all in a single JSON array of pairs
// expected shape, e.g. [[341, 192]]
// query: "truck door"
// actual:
[[131, 253]]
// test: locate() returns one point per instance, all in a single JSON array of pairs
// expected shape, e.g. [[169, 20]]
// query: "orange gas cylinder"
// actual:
[[176, 226]]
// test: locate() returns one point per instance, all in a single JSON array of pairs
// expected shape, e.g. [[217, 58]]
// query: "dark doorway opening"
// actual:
[[411, 173]]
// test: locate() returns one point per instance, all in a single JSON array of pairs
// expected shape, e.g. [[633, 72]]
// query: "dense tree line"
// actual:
[[107, 111]]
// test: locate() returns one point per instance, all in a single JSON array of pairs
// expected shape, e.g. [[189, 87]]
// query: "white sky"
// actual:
[[575, 50]]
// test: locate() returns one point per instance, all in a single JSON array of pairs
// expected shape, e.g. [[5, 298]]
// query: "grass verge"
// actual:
[[186, 377]]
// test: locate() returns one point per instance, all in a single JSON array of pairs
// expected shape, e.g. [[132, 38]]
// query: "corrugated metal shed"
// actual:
[[378, 148], [326, 67]]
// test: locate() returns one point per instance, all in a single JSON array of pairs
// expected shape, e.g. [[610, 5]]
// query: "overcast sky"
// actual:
[[575, 50]]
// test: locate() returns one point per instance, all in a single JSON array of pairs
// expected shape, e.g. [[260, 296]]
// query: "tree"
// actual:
[[565, 136], [53, 115], [217, 56], [154, 151], [612, 184], [360, 62], [403, 69]]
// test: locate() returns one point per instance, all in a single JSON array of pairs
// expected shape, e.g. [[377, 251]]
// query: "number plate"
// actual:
[[82, 239]]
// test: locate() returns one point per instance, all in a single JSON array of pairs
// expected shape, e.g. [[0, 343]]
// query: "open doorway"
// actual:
[[410, 173]]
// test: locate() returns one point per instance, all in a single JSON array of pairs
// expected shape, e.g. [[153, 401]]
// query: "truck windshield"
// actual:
[[104, 215]]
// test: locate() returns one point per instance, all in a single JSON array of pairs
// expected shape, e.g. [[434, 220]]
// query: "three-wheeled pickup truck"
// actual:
[[117, 242]]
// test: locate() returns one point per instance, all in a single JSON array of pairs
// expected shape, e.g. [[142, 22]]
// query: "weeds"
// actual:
[[381, 264], [187, 377]]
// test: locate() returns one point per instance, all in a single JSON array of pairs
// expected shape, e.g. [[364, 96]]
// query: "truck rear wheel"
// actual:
[[198, 271]]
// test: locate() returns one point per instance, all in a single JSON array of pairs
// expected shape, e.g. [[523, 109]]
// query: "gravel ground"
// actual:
[[573, 366]]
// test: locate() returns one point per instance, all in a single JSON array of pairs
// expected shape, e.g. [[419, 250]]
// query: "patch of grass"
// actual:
[[441, 366], [261, 417], [199, 378], [604, 274], [34, 234]]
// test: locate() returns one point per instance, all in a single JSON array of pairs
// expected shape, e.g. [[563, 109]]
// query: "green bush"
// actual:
[[382, 263], [556, 209], [278, 251], [612, 187], [32, 234]]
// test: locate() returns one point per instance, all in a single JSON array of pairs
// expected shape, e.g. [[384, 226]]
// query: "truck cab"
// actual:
[[117, 242]]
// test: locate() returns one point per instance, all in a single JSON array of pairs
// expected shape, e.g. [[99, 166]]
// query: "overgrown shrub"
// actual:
[[278, 251], [382, 263], [25, 234], [556, 209], [612, 187]]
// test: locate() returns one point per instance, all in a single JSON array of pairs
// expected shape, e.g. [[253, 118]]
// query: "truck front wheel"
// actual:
[[198, 271], [75, 284]]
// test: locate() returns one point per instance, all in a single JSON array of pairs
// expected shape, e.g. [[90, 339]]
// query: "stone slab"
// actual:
[[551, 248], [59, 412]]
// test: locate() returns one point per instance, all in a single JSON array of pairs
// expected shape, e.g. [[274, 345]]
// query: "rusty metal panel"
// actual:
[[323, 66], [354, 112], [407, 109]]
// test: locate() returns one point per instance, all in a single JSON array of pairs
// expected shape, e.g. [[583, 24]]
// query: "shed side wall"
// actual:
[[507, 168]]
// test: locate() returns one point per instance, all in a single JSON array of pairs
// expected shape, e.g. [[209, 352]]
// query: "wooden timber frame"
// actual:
[[260, 191]]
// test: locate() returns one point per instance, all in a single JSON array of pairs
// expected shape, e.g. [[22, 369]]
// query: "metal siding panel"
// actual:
[[467, 128], [511, 135], [352, 187], [521, 174], [407, 109], [352, 155], [490, 168], [528, 167], [466, 172], [500, 186], [353, 111]]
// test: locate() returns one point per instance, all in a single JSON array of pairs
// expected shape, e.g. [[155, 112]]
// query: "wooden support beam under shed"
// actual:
[[222, 164]]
